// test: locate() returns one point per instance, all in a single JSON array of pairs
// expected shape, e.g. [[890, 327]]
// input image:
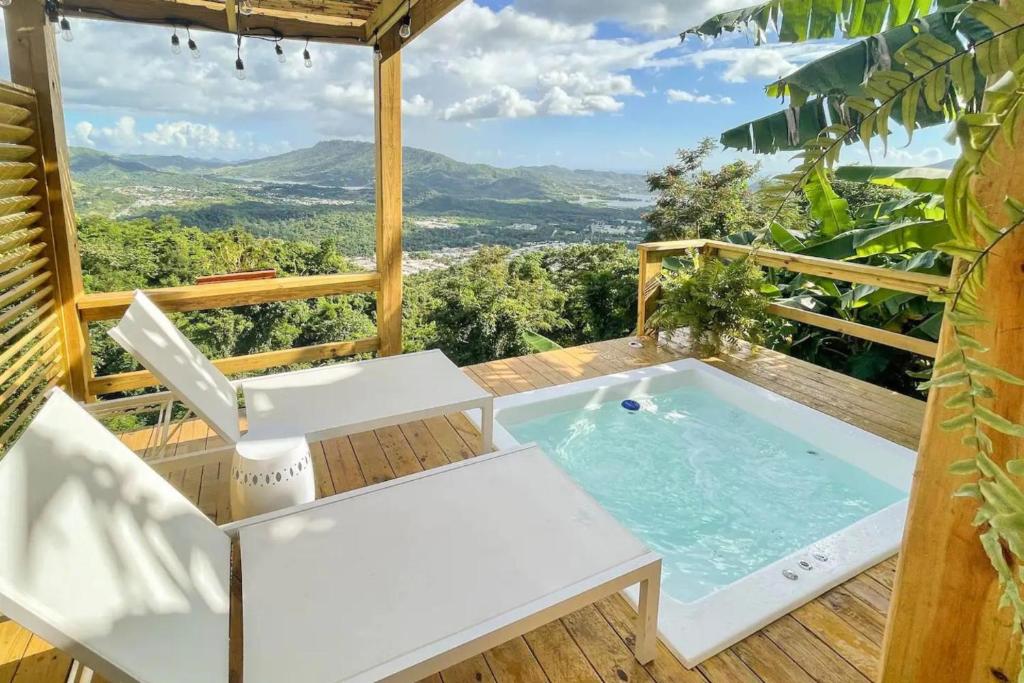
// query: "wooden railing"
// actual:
[[111, 305], [652, 254]]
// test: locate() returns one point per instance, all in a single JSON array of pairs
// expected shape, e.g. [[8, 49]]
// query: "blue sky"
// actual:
[[581, 83]]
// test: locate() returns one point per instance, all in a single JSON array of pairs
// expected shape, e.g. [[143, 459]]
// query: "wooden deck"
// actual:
[[836, 638]]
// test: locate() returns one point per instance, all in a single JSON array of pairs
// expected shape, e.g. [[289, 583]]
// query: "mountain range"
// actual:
[[326, 191], [350, 164]]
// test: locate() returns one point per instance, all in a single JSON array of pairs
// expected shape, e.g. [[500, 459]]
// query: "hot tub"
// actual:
[[757, 503]]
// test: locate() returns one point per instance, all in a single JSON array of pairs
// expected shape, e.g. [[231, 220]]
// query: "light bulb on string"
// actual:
[[175, 43], [245, 7], [65, 30], [307, 59], [280, 53], [405, 28], [6, 3], [193, 49], [239, 65], [377, 54]]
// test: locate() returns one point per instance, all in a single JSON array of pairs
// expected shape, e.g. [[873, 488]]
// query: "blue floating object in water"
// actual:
[[630, 404]]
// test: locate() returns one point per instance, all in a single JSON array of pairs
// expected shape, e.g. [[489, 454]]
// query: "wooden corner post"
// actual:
[[388, 138], [31, 47], [945, 623]]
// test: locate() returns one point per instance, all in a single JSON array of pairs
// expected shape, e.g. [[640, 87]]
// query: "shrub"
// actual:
[[719, 302]]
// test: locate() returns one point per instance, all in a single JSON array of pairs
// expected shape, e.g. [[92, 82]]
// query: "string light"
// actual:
[[65, 29], [245, 7], [6, 3], [239, 65], [192, 47], [307, 60], [175, 43], [405, 27], [279, 51], [377, 55]]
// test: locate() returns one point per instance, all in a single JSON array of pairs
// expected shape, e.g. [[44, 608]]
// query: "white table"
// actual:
[[400, 580], [337, 400]]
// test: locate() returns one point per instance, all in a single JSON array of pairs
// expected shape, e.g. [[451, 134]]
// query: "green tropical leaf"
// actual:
[[826, 206]]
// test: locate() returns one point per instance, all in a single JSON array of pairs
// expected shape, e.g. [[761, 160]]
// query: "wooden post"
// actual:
[[650, 267], [944, 621], [388, 138], [32, 51]]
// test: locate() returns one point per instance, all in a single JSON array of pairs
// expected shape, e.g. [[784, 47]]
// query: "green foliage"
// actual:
[[693, 202], [151, 254], [718, 302], [799, 20], [599, 285], [483, 309]]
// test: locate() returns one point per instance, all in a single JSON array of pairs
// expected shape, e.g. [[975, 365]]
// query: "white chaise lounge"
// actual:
[[320, 403], [286, 410], [106, 560]]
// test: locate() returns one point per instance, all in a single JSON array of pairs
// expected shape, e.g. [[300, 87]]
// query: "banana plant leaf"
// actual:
[[895, 238], [916, 179], [824, 84], [797, 20], [844, 71]]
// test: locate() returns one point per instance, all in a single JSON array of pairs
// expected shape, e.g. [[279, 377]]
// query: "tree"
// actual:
[[599, 285], [694, 202], [483, 307]]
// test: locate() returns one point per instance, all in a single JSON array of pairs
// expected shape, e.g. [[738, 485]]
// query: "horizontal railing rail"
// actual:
[[111, 305], [652, 254], [102, 306]]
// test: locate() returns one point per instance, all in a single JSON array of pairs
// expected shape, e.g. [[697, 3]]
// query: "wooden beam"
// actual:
[[210, 15], [846, 271], [32, 51], [945, 623], [424, 14], [111, 305], [858, 330], [129, 381], [388, 183]]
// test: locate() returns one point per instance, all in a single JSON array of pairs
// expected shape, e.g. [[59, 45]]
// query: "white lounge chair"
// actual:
[[319, 403], [107, 561], [315, 404]]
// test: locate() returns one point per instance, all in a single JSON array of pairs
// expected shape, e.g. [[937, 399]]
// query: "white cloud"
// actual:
[[674, 95], [767, 62], [418, 105], [501, 102], [654, 16], [170, 137]]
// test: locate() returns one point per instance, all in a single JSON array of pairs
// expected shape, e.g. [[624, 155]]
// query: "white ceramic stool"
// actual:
[[270, 474]]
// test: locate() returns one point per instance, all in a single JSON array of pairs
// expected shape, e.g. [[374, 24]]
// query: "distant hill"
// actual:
[[350, 164], [326, 191], [346, 163]]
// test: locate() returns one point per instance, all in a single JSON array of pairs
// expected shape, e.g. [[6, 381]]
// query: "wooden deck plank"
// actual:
[[835, 638], [559, 656], [514, 661], [14, 642]]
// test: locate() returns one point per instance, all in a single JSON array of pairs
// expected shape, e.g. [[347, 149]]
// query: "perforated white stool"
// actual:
[[269, 475]]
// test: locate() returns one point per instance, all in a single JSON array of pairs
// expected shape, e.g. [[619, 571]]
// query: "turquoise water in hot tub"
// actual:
[[718, 492]]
